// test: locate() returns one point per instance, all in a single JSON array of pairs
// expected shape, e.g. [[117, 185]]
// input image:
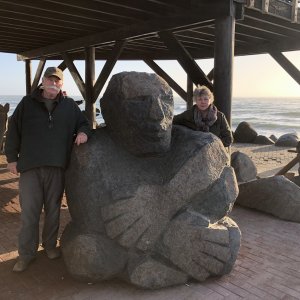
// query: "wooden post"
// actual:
[[286, 65], [38, 74], [294, 16], [90, 108], [189, 100], [250, 3], [265, 6], [28, 76], [287, 167], [223, 64]]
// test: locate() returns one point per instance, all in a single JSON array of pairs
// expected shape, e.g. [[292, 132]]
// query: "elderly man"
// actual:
[[41, 133]]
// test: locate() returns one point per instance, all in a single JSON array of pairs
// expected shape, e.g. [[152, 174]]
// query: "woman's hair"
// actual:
[[203, 90]]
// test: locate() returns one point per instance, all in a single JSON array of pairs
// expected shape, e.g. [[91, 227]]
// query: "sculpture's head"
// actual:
[[138, 111]]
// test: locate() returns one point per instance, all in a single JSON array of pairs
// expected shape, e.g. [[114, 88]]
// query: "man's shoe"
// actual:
[[22, 264], [53, 253]]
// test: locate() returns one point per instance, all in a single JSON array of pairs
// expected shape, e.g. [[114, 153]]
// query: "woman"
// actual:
[[204, 116]]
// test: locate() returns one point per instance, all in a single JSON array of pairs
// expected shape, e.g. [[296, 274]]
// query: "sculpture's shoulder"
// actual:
[[191, 140]]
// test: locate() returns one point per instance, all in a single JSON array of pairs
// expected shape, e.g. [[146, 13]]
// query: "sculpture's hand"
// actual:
[[201, 250], [138, 220]]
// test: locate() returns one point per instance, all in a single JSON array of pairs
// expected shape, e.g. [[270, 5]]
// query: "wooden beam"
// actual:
[[109, 65], [156, 68], [62, 66], [28, 76], [90, 108], [75, 74], [264, 26], [189, 88], [291, 164], [210, 75], [38, 74], [185, 59], [223, 64], [286, 65], [294, 16], [196, 16]]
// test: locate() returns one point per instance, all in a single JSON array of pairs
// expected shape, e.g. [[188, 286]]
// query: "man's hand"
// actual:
[[81, 138], [12, 167]]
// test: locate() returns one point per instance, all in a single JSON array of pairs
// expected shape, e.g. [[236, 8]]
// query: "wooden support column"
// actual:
[[286, 64], [28, 76], [223, 63], [294, 16], [189, 89], [90, 108], [265, 6]]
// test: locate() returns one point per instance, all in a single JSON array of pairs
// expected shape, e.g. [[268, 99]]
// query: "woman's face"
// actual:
[[203, 102]]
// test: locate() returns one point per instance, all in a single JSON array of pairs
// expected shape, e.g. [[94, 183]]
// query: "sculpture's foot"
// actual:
[[149, 273], [92, 256]]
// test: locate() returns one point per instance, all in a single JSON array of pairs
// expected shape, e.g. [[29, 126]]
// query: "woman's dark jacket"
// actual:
[[220, 128], [38, 138]]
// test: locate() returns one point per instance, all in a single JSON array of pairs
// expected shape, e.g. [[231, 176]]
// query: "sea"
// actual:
[[267, 116]]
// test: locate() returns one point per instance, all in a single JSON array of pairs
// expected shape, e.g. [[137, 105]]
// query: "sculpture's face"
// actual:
[[149, 118], [138, 110]]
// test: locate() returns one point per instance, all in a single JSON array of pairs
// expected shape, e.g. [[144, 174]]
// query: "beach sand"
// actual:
[[267, 266]]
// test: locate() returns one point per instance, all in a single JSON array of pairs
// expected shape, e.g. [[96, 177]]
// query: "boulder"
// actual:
[[244, 133], [263, 140], [273, 138], [288, 140], [129, 190], [275, 195], [244, 167]]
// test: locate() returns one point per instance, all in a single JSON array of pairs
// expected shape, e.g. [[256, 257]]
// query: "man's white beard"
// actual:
[[52, 87]]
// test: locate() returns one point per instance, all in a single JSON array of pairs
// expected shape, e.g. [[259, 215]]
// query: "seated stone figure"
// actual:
[[149, 200]]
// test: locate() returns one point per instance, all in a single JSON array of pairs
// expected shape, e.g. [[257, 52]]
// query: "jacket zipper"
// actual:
[[50, 120]]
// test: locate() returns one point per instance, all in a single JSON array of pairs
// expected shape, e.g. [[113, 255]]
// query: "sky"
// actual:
[[253, 76]]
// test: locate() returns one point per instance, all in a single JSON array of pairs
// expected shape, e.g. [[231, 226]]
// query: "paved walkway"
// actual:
[[268, 265]]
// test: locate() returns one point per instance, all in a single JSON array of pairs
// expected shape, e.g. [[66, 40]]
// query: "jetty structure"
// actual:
[[149, 30]]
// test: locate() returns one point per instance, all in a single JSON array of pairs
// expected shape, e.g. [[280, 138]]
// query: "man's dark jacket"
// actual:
[[38, 138], [220, 128]]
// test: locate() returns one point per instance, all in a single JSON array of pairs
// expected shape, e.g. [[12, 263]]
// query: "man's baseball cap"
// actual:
[[53, 71]]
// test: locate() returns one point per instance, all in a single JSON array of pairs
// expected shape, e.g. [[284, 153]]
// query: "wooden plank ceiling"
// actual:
[[47, 28]]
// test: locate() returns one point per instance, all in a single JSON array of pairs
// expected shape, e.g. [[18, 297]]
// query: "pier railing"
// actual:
[[287, 9]]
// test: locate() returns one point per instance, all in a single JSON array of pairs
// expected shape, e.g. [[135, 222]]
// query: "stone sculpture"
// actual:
[[149, 201]]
